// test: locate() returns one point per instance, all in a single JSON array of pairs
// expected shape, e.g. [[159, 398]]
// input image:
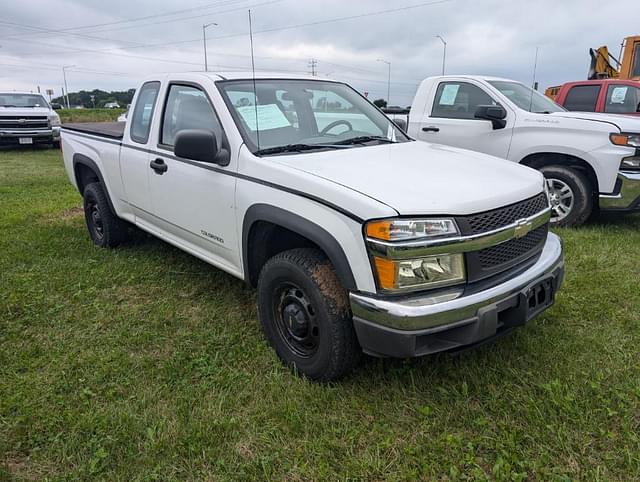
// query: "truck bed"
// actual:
[[112, 130]]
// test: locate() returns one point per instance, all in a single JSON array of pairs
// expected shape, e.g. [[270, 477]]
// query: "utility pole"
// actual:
[[444, 53], [204, 42], [388, 80], [66, 89], [313, 65]]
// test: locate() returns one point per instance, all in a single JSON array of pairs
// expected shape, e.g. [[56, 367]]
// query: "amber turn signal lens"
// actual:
[[619, 139], [379, 230], [387, 273]]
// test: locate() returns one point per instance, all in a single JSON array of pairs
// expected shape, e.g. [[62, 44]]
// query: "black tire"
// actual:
[[55, 144], [317, 338], [105, 228], [581, 190]]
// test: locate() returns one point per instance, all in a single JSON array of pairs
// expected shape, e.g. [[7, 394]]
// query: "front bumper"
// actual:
[[446, 321], [11, 136], [627, 197]]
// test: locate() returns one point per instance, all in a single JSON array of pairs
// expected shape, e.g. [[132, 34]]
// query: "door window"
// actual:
[[622, 99], [187, 107], [143, 112], [582, 98], [459, 100]]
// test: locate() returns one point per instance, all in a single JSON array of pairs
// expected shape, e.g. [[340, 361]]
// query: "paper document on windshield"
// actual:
[[449, 94], [618, 95], [269, 117]]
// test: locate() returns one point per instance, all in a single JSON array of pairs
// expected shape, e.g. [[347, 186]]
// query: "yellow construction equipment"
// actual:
[[606, 66]]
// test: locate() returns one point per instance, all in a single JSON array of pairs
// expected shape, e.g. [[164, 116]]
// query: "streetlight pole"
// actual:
[[204, 42], [444, 53], [388, 80], [66, 89]]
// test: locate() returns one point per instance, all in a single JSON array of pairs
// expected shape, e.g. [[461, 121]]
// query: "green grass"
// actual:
[[143, 363], [89, 115]]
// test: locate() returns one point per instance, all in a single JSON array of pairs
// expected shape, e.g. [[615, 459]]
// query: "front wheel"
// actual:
[[570, 195], [305, 315], [105, 228]]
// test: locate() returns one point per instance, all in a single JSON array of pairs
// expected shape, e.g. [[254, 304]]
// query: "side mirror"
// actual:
[[494, 113], [56, 106], [200, 145], [401, 123]]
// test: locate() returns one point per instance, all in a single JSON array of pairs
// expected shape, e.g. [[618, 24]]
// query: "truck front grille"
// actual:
[[513, 249], [501, 217], [24, 122], [501, 257]]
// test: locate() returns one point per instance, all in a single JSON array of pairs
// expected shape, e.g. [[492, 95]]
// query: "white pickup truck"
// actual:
[[27, 118], [590, 160], [356, 237]]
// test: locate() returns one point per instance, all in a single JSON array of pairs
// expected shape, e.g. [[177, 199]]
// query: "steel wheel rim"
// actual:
[[561, 199], [296, 320], [96, 220]]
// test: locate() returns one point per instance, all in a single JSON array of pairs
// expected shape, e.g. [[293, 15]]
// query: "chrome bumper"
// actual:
[[54, 132], [381, 323], [629, 196]]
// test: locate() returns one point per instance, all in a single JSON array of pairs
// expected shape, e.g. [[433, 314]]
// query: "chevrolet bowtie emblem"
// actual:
[[523, 227]]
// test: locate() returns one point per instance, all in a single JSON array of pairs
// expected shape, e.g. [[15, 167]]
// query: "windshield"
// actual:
[[526, 98], [22, 100], [296, 115]]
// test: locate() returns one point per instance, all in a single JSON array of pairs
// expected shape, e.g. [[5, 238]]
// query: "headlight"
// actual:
[[421, 273], [414, 273], [411, 229], [54, 120], [627, 140], [630, 164]]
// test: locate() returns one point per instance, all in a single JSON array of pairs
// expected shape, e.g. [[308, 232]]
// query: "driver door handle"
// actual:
[[158, 166], [431, 129]]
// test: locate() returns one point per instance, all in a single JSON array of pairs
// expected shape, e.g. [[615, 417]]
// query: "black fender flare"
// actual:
[[303, 227], [90, 163]]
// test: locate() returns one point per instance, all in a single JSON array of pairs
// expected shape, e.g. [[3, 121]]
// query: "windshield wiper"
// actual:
[[363, 139], [8, 105], [296, 148]]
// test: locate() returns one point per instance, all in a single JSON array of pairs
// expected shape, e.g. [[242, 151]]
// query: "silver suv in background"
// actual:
[[27, 118]]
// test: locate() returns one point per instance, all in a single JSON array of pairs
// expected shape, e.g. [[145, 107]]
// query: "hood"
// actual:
[[417, 178], [622, 122], [24, 111]]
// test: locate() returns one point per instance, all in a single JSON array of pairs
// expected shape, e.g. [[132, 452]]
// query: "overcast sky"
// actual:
[[112, 44]]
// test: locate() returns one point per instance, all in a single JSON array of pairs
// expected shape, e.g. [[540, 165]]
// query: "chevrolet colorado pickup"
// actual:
[[356, 237], [27, 118], [590, 160]]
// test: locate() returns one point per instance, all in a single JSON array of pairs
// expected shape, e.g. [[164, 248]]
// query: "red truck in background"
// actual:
[[612, 96]]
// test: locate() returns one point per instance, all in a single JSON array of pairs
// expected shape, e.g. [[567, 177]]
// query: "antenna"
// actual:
[[253, 75], [535, 67]]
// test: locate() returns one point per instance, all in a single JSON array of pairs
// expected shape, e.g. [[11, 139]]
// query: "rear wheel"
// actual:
[[305, 315], [570, 195], [105, 228]]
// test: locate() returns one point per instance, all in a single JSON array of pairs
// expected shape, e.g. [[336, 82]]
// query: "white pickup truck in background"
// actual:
[[356, 237], [27, 118], [590, 160]]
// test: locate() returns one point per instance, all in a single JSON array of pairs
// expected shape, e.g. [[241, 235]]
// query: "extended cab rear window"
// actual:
[[143, 112]]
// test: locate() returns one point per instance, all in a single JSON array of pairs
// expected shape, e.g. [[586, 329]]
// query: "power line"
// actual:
[[218, 3], [46, 30]]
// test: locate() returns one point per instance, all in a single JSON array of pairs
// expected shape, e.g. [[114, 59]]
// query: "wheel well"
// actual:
[[84, 176], [539, 160], [267, 239]]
